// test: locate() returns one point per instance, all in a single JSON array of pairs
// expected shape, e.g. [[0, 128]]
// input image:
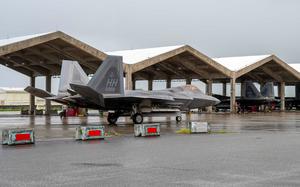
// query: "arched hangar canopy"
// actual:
[[260, 68], [42, 54], [172, 62]]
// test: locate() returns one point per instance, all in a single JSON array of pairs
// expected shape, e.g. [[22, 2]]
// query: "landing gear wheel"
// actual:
[[137, 118], [178, 118], [112, 118]]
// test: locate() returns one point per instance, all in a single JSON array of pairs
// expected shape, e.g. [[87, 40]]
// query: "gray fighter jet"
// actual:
[[105, 91], [250, 96]]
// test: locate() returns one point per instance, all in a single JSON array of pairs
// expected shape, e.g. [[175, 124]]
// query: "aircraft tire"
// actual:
[[137, 118], [112, 118], [178, 118]]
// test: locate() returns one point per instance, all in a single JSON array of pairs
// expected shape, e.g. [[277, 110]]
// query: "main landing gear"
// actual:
[[112, 118], [137, 118]]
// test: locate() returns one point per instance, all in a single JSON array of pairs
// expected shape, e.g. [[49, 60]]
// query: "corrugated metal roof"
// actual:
[[238, 63], [12, 40], [137, 55], [296, 67]]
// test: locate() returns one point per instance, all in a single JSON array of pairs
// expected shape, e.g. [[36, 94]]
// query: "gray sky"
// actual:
[[216, 28]]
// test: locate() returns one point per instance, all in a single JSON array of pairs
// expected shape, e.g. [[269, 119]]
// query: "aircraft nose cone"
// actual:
[[214, 100], [217, 101]]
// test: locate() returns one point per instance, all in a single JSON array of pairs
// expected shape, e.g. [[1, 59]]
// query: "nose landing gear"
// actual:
[[178, 118]]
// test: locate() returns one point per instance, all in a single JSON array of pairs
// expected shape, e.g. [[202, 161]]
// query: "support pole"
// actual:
[[188, 81], [169, 83], [32, 97], [224, 89], [278, 89], [297, 90], [48, 89], [150, 84], [133, 84], [128, 77], [209, 87], [282, 96], [232, 95], [243, 89], [209, 92]]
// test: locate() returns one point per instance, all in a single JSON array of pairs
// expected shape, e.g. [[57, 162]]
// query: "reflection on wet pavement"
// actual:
[[54, 127]]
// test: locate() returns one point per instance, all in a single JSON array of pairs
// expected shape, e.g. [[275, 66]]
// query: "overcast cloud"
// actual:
[[216, 28]]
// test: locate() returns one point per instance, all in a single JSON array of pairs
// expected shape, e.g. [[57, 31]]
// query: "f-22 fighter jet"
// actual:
[[106, 91]]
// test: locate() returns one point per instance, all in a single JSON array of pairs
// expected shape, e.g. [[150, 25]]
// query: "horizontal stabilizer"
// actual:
[[71, 92], [89, 93], [38, 92]]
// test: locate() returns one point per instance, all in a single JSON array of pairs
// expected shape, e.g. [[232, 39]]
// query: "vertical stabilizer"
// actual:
[[249, 90], [71, 72], [108, 79], [267, 90]]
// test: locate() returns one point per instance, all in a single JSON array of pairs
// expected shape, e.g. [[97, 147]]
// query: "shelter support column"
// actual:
[[150, 84], [128, 77], [282, 96], [169, 83], [48, 89], [232, 95], [224, 88], [278, 89], [243, 89], [133, 84], [297, 90], [209, 92], [32, 97], [188, 81], [209, 87]]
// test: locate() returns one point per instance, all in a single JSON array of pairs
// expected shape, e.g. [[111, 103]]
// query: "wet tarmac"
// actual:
[[243, 150]]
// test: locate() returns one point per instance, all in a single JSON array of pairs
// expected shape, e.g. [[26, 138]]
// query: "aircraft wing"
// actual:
[[139, 97], [72, 92]]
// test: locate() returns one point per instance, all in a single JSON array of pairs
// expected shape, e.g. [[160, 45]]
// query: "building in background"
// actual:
[[18, 98]]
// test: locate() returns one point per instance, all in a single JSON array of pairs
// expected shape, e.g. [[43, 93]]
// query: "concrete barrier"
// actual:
[[90, 132], [147, 129], [18, 136], [199, 127]]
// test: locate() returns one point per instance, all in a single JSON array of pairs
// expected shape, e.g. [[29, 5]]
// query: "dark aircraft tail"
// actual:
[[267, 90], [249, 90], [108, 79]]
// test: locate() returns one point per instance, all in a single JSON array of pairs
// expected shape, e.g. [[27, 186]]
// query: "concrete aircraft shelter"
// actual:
[[42, 55], [185, 62], [297, 88], [167, 63], [261, 69]]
